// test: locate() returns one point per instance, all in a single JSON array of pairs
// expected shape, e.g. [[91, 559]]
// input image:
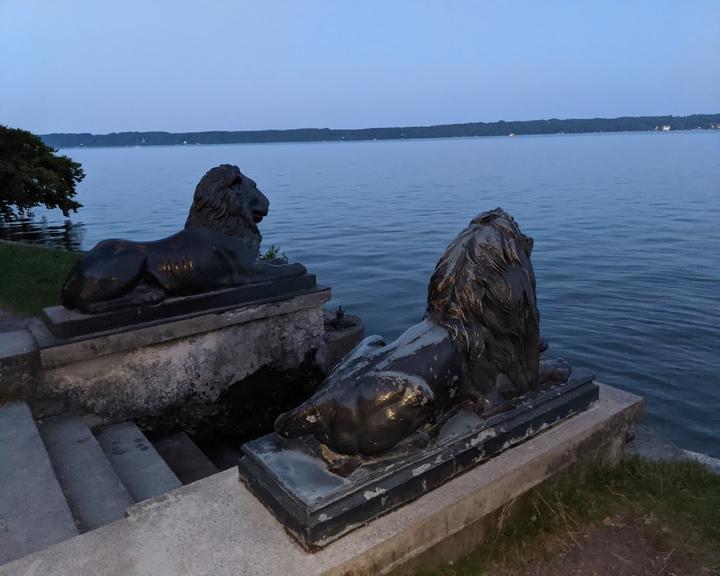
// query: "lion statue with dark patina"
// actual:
[[478, 346], [218, 248]]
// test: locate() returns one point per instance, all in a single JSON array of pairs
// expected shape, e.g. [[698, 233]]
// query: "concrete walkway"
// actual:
[[215, 526]]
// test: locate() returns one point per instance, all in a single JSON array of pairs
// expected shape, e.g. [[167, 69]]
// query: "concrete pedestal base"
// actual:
[[148, 368], [215, 526]]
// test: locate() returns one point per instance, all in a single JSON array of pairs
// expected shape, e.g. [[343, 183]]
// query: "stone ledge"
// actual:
[[55, 352], [19, 360], [64, 323], [215, 526], [16, 345]]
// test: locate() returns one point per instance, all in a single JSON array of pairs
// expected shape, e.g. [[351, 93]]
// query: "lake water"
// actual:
[[626, 228]]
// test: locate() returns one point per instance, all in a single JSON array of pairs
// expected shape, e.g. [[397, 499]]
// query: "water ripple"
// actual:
[[626, 228]]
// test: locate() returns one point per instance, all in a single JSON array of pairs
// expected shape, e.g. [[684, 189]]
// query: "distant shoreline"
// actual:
[[468, 130]]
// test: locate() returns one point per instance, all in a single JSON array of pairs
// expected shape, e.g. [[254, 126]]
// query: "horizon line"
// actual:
[[416, 126]]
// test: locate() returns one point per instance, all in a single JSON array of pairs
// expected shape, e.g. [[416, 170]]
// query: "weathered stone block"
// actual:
[[193, 358]]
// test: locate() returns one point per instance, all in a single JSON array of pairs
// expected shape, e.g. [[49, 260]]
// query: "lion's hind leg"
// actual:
[[105, 276]]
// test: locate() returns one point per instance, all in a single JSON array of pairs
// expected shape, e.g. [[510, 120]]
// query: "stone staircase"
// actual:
[[59, 478]]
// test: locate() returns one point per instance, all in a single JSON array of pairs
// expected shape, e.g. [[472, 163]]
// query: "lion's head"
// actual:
[[228, 201], [483, 292]]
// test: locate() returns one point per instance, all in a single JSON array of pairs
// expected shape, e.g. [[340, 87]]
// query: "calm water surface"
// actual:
[[626, 228]]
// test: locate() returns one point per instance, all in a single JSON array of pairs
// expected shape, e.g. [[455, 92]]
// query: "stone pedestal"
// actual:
[[65, 324], [140, 369]]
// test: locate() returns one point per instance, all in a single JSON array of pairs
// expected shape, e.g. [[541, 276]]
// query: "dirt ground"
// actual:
[[614, 550]]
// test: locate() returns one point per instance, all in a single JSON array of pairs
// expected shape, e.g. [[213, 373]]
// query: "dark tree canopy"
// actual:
[[32, 175]]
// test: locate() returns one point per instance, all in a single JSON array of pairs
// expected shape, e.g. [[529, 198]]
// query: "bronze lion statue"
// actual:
[[218, 248], [478, 346]]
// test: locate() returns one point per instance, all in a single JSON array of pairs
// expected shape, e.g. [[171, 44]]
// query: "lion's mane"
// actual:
[[483, 292], [217, 206]]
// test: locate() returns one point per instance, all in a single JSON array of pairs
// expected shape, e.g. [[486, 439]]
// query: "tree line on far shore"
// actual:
[[473, 129]]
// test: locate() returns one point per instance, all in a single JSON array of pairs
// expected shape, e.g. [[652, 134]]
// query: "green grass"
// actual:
[[677, 504], [31, 277]]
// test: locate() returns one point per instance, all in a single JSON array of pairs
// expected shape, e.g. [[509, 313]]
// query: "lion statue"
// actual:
[[478, 347], [218, 248]]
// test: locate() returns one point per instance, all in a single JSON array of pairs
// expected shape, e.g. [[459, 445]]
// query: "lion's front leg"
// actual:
[[269, 271], [142, 295]]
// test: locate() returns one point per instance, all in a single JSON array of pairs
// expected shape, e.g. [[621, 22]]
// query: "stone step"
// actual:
[[142, 470], [222, 453], [33, 510], [94, 491], [184, 457]]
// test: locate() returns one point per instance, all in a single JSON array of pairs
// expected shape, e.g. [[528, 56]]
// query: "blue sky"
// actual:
[[100, 66]]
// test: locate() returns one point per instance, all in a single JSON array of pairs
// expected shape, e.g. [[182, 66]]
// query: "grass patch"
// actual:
[[676, 503], [31, 277]]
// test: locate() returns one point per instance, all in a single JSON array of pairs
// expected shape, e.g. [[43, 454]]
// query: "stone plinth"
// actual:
[[64, 323], [147, 368], [216, 527]]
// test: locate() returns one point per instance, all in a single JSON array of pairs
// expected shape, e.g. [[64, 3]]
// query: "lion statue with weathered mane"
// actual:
[[218, 248], [477, 347]]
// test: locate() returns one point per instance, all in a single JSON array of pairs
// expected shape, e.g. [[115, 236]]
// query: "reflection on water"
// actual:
[[66, 235]]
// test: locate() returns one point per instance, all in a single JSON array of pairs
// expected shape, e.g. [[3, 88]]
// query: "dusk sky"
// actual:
[[95, 66]]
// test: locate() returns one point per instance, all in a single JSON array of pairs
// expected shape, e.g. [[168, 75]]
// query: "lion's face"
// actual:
[[228, 201], [248, 201]]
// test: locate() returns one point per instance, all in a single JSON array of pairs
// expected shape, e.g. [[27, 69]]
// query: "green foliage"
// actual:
[[677, 504], [32, 175], [273, 253], [32, 276]]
